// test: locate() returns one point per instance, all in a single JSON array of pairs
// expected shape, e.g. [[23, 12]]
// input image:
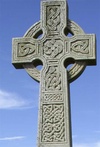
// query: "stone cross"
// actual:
[[55, 50]]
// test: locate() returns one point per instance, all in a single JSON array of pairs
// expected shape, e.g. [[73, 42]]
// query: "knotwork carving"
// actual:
[[80, 46], [75, 29], [53, 17], [25, 49], [53, 123], [53, 79], [52, 48], [53, 97]]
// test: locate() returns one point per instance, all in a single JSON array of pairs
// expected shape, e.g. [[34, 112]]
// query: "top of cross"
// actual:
[[54, 17], [54, 45]]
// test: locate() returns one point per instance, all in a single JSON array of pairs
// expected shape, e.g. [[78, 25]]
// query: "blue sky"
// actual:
[[19, 93]]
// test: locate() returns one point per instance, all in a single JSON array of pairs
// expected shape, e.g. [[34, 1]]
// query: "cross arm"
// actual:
[[25, 50], [83, 48]]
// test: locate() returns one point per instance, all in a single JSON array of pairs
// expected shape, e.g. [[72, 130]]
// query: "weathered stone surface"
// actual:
[[55, 50]]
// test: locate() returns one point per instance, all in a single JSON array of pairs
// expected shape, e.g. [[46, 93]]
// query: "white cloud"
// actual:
[[12, 101], [98, 144], [12, 138], [87, 145]]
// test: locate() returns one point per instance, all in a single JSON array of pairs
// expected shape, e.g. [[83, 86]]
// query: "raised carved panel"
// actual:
[[53, 97], [53, 126], [53, 79], [53, 18], [80, 46], [25, 49], [53, 48]]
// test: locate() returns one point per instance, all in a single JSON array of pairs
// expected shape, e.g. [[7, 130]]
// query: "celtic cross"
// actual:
[[55, 50]]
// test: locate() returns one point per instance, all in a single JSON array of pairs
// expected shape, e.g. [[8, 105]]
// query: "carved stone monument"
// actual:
[[55, 50]]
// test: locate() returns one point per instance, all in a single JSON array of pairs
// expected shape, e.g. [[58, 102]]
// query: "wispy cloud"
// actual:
[[10, 100], [87, 145], [12, 138]]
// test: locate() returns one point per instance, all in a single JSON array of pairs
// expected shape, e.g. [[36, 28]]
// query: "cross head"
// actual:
[[55, 50]]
